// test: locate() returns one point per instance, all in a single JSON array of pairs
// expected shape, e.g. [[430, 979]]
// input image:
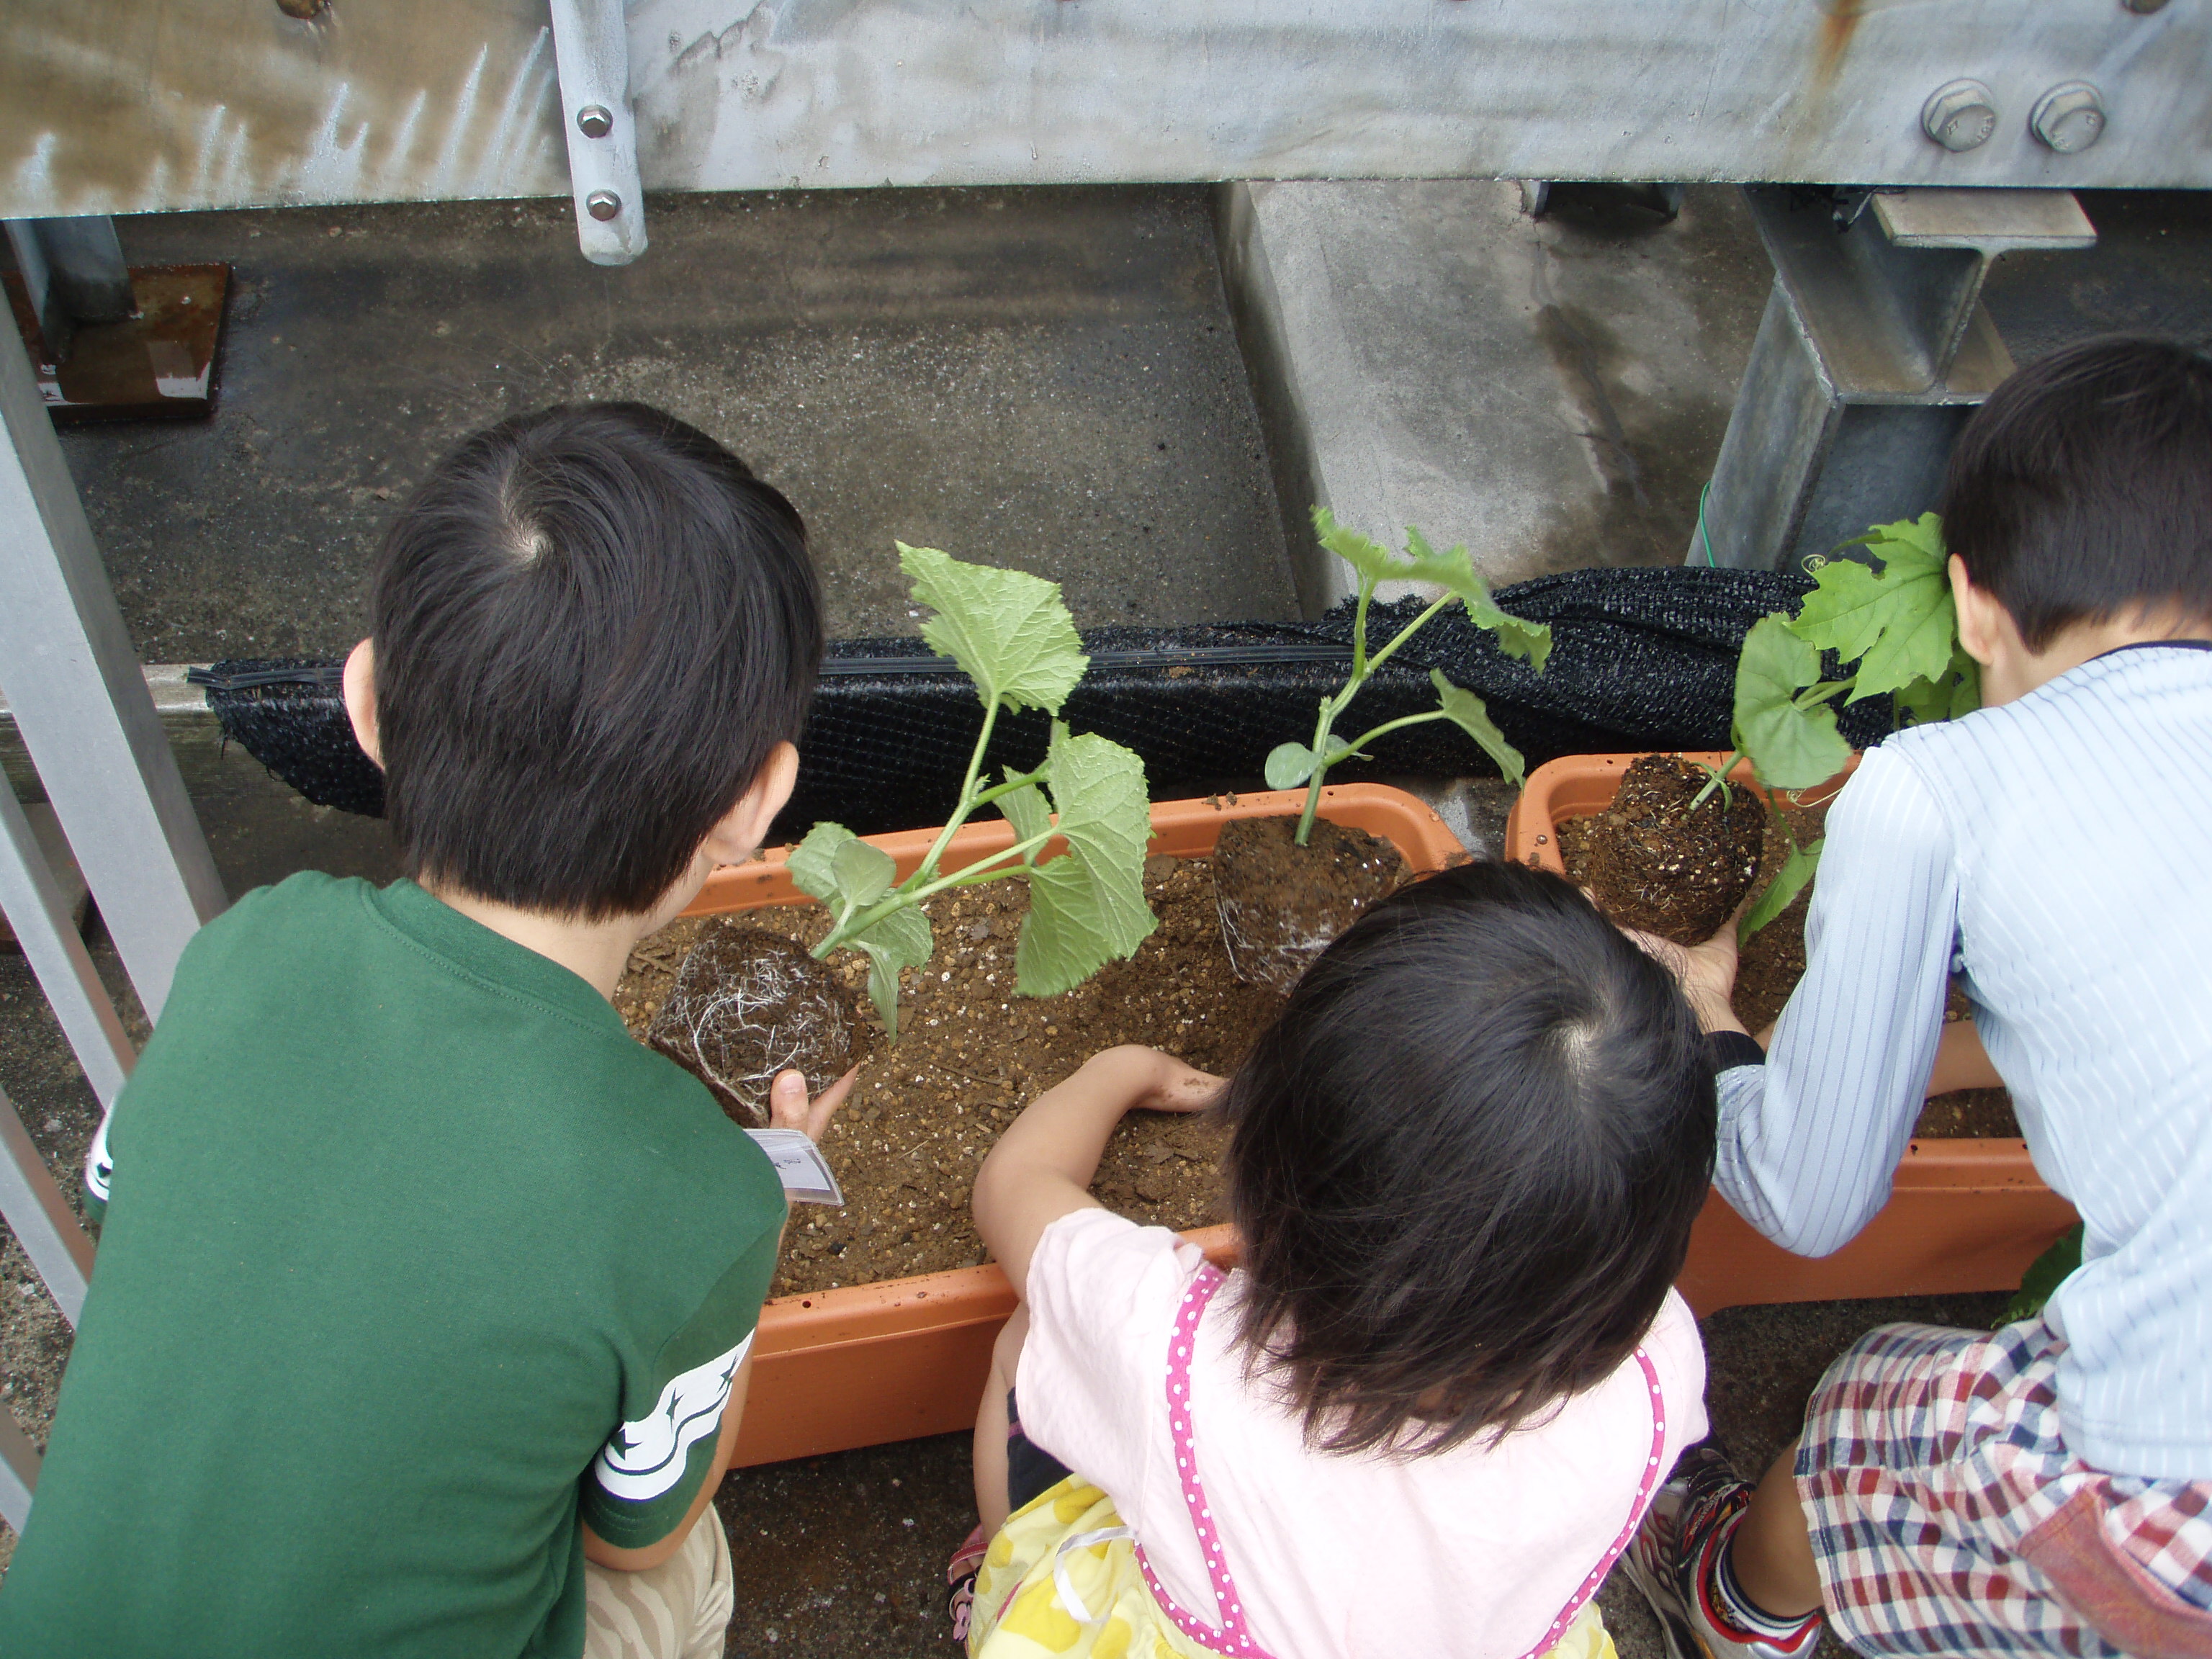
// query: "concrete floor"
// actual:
[[1044, 378]]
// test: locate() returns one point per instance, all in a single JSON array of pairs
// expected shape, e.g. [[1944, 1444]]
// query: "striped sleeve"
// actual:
[[1808, 1141]]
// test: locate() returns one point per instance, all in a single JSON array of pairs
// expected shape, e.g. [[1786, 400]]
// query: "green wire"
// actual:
[[1704, 534]]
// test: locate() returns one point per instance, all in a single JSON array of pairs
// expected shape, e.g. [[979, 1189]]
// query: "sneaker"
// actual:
[[1671, 1561], [960, 1582]]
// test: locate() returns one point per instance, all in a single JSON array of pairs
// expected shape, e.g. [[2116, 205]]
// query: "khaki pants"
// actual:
[[679, 1610]]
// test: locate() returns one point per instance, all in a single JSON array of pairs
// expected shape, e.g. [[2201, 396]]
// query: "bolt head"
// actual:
[[603, 205], [595, 121], [2069, 118], [1960, 115], [2145, 7], [305, 10]]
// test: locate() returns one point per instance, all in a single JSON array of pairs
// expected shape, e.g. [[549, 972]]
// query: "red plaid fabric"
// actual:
[[1930, 1458]]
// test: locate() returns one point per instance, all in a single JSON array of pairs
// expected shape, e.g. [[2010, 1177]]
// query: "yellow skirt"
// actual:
[[1021, 1609]]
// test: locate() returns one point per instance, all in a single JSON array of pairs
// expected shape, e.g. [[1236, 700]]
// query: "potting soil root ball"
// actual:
[[747, 1004], [1280, 904], [1657, 866]]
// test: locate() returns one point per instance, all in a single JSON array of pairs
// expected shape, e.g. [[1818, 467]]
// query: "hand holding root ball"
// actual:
[[788, 1108], [1705, 971]]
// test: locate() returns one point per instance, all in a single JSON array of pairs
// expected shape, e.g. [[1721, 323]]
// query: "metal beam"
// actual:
[[40, 915], [39, 1214], [81, 704], [19, 1471], [590, 47], [131, 105]]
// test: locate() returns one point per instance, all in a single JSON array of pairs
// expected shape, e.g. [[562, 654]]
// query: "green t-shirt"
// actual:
[[413, 1261]]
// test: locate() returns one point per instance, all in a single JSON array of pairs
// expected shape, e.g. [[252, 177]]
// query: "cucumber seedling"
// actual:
[[1893, 618], [1293, 763], [1015, 640]]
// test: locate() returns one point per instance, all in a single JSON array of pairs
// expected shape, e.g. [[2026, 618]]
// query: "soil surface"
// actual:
[[1281, 904], [926, 1110], [748, 1003], [1668, 868], [1774, 960]]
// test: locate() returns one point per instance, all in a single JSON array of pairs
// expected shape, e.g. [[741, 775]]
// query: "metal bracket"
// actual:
[[591, 50], [74, 271], [1874, 348], [19, 1471]]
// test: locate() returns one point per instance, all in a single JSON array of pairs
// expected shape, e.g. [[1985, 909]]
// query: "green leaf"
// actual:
[[813, 862], [1898, 625], [1027, 810], [1792, 748], [901, 939], [863, 873], [1290, 764], [2044, 1275], [1789, 881], [1472, 716], [1453, 571], [1087, 906], [1006, 629]]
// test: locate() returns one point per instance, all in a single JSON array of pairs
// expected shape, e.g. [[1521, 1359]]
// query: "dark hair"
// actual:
[[2083, 487], [1465, 1162], [592, 625]]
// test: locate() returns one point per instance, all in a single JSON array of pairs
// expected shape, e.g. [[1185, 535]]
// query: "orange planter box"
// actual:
[[858, 1366], [1963, 1215]]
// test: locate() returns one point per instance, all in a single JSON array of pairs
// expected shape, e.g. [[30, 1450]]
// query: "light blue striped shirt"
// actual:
[[2062, 847]]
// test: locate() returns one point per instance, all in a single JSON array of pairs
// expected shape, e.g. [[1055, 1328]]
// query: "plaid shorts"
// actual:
[[1949, 1518]]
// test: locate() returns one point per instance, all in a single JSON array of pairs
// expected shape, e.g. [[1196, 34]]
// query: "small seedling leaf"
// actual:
[[812, 864], [1896, 625], [863, 873], [1792, 748], [1294, 763], [1087, 906], [1472, 716], [1006, 629], [1453, 571], [1289, 765], [1027, 810], [1789, 881], [901, 939]]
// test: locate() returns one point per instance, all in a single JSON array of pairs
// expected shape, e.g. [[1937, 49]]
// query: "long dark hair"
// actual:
[[1465, 1162]]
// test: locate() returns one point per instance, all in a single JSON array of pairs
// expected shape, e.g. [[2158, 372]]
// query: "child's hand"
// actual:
[[1157, 1082], [788, 1107], [1705, 972]]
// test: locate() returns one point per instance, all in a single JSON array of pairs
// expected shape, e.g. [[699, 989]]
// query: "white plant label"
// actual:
[[806, 1173]]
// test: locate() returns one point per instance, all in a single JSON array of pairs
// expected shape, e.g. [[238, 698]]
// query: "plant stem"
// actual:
[[967, 803], [1008, 787], [1404, 634], [1326, 718], [1388, 727], [1360, 630], [1717, 778], [1362, 667], [900, 898]]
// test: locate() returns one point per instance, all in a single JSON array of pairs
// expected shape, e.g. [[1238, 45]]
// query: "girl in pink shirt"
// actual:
[[1430, 1408]]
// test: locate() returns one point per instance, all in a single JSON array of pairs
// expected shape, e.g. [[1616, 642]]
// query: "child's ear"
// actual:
[[360, 698], [745, 826], [1979, 629]]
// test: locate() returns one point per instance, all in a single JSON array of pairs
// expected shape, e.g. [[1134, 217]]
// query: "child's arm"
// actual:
[[1042, 1166]]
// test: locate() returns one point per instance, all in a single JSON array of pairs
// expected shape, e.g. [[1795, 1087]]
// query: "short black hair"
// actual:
[[592, 625], [2082, 488], [1465, 1162]]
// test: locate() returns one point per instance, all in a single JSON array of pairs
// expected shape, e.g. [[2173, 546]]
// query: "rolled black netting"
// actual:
[[1641, 658]]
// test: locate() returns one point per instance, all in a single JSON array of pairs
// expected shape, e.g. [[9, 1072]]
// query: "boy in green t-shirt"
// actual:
[[425, 1294]]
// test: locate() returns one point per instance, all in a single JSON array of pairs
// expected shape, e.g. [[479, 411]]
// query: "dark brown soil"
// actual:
[[927, 1108], [1280, 904], [747, 1004], [1774, 960], [1667, 869]]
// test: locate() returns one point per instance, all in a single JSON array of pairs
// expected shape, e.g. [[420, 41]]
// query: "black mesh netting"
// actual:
[[1641, 658]]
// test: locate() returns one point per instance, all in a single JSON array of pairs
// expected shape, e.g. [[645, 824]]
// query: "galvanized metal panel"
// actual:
[[121, 106]]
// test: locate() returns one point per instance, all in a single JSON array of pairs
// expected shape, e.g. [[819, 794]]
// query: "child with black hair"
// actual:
[[1429, 1407], [2047, 1488], [425, 1294]]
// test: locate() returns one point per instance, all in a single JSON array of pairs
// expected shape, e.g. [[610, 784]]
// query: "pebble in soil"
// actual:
[[748, 1003], [1280, 904], [1773, 961], [1667, 867], [971, 1054]]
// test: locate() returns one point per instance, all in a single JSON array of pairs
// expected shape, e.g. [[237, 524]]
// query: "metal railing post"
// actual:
[[81, 704]]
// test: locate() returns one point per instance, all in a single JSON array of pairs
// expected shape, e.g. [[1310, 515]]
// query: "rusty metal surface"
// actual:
[[121, 106], [159, 364]]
